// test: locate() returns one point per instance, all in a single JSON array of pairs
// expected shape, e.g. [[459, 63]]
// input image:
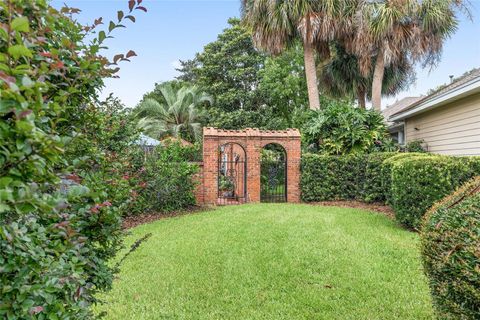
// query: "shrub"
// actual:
[[386, 172], [373, 188], [415, 146], [349, 177], [166, 180], [339, 128], [331, 177], [55, 244], [450, 252], [418, 182]]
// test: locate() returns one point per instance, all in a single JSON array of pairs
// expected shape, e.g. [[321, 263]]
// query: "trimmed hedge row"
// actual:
[[450, 252], [419, 182], [330, 177], [348, 177], [410, 182]]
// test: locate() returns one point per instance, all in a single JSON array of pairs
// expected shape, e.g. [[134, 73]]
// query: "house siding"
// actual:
[[452, 129]]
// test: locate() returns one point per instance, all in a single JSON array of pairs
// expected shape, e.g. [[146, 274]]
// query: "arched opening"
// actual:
[[273, 174], [232, 174]]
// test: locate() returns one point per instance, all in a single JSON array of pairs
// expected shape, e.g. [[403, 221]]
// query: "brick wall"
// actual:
[[252, 141]]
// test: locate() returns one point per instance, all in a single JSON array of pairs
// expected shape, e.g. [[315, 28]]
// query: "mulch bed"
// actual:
[[377, 207], [133, 221]]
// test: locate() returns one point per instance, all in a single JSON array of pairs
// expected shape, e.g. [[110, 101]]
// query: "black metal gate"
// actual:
[[273, 177], [232, 169]]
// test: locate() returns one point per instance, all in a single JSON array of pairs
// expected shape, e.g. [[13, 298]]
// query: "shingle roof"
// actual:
[[399, 106], [458, 82]]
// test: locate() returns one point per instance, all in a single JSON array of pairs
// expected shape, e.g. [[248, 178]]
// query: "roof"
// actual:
[[399, 106], [465, 85], [144, 140]]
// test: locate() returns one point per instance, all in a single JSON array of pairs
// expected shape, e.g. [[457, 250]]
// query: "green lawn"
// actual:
[[272, 261]]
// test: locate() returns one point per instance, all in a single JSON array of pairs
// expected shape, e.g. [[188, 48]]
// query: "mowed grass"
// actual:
[[272, 261]]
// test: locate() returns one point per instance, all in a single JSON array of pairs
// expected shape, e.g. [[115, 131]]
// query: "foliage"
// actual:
[[56, 240], [410, 182], [167, 180], [373, 186], [415, 146], [326, 177], [105, 153], [340, 77], [228, 69], [398, 33], [277, 26], [250, 89], [264, 118], [347, 177], [339, 128], [282, 83], [177, 114], [386, 172], [316, 253], [450, 242], [419, 182]]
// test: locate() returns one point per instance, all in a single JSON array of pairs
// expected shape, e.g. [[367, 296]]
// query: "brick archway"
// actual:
[[252, 140]]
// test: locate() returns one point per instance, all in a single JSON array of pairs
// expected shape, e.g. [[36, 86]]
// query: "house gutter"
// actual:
[[468, 88]]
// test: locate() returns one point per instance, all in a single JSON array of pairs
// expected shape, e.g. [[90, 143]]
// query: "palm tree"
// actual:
[[276, 25], [178, 115], [341, 77], [391, 31]]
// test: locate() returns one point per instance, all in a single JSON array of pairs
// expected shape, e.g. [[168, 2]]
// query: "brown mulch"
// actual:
[[133, 221], [377, 207]]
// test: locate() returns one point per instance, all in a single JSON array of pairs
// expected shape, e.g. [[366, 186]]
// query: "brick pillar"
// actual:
[[293, 169], [253, 164], [210, 165]]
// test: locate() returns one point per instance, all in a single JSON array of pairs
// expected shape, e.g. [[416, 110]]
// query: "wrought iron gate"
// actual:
[[273, 177], [232, 169]]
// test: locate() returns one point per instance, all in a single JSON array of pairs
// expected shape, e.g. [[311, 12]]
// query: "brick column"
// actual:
[[210, 165], [293, 167], [253, 164]]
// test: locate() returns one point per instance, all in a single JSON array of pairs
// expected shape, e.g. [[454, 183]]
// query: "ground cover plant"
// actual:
[[272, 261]]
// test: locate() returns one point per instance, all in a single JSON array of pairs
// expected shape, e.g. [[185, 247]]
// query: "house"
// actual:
[[396, 129], [447, 120]]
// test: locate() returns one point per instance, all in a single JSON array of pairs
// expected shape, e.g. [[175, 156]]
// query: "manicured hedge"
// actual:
[[343, 177], [418, 182], [386, 172], [331, 177], [372, 185], [409, 182], [450, 252]]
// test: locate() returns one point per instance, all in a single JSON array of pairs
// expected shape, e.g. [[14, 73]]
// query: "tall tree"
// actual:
[[176, 114], [391, 31], [277, 24], [227, 68], [283, 83], [341, 77]]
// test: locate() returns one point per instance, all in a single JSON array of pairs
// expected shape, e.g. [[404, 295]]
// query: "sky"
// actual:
[[174, 30]]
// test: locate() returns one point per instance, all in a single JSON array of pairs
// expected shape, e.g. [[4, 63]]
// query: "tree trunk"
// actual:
[[378, 81], [311, 75], [362, 97]]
